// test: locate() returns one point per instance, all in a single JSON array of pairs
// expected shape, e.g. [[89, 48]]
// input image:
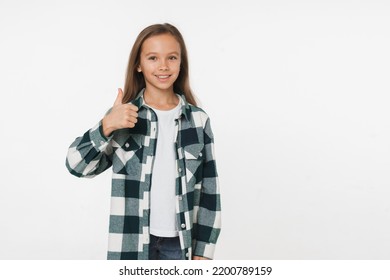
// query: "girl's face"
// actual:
[[160, 62]]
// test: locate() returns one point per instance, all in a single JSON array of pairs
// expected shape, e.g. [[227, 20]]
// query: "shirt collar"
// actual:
[[185, 110]]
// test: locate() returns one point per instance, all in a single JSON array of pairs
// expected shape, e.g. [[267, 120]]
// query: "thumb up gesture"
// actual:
[[121, 116]]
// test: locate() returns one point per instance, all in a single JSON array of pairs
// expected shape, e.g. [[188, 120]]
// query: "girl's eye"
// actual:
[[172, 57], [152, 58]]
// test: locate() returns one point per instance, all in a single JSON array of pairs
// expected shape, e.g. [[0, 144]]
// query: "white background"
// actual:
[[298, 95]]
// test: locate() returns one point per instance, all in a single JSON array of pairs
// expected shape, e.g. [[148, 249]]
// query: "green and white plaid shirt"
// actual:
[[131, 153]]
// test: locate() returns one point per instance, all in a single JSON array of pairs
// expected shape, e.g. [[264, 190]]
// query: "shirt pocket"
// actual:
[[129, 156], [193, 157]]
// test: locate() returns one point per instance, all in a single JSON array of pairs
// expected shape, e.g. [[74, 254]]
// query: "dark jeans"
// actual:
[[165, 248]]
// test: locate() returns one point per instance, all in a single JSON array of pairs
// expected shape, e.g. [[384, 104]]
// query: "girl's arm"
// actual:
[[209, 213], [90, 154]]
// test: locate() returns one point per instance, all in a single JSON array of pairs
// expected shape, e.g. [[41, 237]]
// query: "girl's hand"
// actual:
[[197, 258], [121, 116]]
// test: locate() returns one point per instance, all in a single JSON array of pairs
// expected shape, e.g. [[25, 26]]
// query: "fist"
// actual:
[[121, 116]]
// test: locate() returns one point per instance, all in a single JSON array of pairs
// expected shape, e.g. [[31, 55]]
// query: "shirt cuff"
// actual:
[[204, 249], [98, 139]]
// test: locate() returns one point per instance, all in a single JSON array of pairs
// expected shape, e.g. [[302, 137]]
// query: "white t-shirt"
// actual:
[[163, 189]]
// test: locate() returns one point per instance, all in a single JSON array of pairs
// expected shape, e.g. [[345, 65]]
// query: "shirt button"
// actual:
[[200, 154], [187, 255], [180, 197], [127, 145], [179, 169], [183, 226]]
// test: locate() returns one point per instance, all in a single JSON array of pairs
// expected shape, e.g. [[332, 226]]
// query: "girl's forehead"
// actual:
[[163, 43]]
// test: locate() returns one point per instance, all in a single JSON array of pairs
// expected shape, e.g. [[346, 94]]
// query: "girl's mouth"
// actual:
[[163, 78]]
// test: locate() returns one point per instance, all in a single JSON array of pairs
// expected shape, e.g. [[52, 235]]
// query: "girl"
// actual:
[[165, 200]]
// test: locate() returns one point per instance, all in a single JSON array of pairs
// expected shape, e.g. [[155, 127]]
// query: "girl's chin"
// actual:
[[160, 87]]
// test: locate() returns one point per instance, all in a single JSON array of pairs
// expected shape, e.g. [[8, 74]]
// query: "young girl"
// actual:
[[165, 200]]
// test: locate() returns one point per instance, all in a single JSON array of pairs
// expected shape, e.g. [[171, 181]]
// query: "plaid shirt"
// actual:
[[131, 153]]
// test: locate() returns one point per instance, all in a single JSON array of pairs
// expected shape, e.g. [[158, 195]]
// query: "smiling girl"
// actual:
[[165, 200]]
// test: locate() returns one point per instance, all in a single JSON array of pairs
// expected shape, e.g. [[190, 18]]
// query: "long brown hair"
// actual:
[[135, 80]]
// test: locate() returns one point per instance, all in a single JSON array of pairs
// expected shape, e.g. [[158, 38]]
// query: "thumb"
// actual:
[[119, 98]]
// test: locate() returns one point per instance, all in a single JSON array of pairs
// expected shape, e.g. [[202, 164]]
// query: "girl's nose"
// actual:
[[163, 66]]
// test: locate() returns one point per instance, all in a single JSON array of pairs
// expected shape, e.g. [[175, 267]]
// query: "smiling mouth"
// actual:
[[163, 76]]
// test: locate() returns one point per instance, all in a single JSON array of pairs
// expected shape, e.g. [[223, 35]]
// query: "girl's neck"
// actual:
[[161, 100]]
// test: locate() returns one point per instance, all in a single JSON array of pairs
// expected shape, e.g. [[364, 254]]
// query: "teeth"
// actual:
[[162, 77]]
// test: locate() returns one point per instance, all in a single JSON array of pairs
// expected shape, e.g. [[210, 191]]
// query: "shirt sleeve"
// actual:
[[90, 154], [209, 213]]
